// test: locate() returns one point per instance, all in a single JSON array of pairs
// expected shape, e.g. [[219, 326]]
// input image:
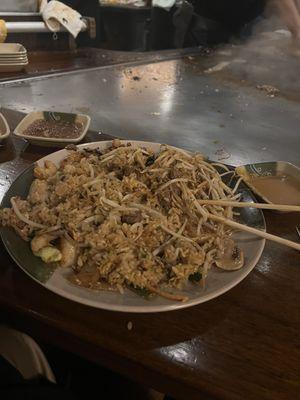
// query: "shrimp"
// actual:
[[41, 241], [41, 247], [45, 172], [65, 248], [38, 192]]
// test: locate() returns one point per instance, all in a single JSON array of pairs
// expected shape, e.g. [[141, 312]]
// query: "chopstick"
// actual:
[[255, 231], [228, 203]]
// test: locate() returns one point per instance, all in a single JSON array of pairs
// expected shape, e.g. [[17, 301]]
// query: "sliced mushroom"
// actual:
[[132, 218], [231, 258]]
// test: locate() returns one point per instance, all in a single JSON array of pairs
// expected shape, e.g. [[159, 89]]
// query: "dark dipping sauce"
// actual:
[[54, 129], [279, 189]]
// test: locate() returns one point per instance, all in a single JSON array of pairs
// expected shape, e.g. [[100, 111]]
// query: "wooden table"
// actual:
[[242, 345]]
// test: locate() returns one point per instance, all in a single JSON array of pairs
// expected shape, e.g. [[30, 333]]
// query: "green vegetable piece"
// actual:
[[143, 292], [150, 160], [196, 277]]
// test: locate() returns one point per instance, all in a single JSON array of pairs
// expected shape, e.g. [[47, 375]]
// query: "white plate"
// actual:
[[13, 59], [218, 281], [12, 49]]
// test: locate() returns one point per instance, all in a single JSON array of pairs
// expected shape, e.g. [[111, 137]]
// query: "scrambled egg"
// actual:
[[49, 254]]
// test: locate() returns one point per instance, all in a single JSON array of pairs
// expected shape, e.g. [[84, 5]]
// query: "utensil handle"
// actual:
[[240, 204], [255, 231]]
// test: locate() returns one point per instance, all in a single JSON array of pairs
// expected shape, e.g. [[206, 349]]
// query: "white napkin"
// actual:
[[56, 14]]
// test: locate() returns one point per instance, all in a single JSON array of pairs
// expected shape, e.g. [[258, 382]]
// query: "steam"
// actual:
[[265, 60]]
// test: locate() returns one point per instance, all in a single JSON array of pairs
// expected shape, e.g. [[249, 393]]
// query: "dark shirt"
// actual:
[[85, 7], [232, 14]]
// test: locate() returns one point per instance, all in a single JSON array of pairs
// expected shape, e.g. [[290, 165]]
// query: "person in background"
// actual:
[[235, 13], [289, 10], [232, 15], [210, 22]]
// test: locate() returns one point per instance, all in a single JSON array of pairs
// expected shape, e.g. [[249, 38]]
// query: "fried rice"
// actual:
[[126, 217]]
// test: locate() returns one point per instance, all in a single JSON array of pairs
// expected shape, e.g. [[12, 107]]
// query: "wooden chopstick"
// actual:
[[255, 231], [240, 204]]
